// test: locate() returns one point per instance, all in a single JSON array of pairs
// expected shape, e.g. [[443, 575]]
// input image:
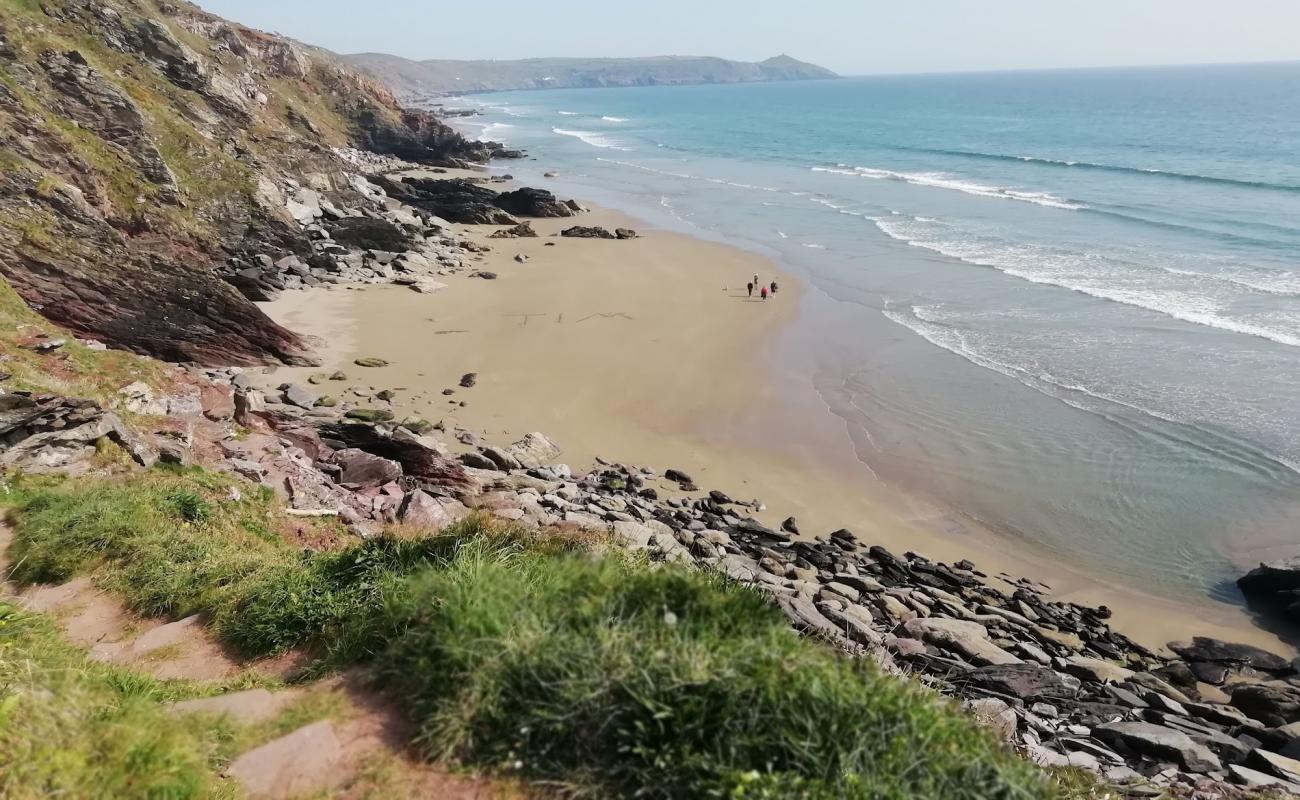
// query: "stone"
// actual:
[[362, 470], [370, 362], [1096, 670], [1286, 768], [529, 202], [586, 232], [171, 451], [468, 380], [501, 459], [1027, 682], [478, 461], [298, 396], [1161, 743], [1274, 703], [251, 470], [968, 639], [995, 715], [1271, 577], [426, 511], [1205, 649], [534, 450], [305, 762]]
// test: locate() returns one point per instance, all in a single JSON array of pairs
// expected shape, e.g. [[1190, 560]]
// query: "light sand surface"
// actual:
[[649, 352]]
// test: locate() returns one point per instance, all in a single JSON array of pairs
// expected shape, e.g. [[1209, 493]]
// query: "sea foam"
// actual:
[[943, 180], [592, 138]]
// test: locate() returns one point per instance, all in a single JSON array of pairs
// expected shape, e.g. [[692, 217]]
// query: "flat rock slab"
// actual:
[[310, 760], [248, 707]]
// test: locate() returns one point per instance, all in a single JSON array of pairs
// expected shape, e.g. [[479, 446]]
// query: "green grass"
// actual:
[[529, 656], [74, 728]]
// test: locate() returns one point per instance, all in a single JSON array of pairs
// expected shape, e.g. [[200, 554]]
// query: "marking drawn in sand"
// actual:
[[607, 315], [523, 318]]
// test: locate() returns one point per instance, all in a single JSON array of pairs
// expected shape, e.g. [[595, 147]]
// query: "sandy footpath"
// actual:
[[650, 352]]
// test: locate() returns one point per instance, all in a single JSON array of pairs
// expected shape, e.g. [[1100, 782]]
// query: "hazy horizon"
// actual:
[[946, 36]]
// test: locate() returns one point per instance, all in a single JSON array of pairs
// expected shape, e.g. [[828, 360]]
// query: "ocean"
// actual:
[[1064, 305]]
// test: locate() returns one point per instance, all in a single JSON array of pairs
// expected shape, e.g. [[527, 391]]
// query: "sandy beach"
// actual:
[[650, 352]]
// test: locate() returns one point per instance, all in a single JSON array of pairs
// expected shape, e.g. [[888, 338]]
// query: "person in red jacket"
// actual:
[[764, 292]]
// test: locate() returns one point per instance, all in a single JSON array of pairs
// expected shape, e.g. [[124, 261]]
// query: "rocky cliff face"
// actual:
[[417, 79], [142, 149]]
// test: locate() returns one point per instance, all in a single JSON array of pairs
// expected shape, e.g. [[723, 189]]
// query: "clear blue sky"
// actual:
[[850, 36]]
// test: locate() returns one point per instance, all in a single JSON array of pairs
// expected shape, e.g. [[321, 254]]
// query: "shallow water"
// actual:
[[1066, 305]]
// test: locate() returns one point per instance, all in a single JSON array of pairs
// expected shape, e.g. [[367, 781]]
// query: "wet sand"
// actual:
[[650, 352]]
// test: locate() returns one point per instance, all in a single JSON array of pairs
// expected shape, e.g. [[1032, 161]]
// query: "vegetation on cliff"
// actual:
[[549, 658], [143, 144]]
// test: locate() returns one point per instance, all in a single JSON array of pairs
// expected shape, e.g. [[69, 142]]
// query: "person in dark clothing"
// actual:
[[773, 287], [750, 287]]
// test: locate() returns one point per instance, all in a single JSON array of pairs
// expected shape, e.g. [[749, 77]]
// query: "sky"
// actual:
[[853, 37]]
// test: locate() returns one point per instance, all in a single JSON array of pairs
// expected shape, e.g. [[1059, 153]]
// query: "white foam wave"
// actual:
[[567, 113], [592, 138], [782, 234], [814, 246], [615, 119], [1093, 275], [492, 132], [943, 180]]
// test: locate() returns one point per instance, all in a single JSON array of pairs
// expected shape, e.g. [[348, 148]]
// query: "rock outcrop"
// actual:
[[146, 171]]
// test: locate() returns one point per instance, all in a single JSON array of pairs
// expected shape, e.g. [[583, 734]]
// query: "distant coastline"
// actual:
[[449, 78]]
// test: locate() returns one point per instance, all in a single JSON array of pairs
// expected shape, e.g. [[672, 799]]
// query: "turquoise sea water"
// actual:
[[1064, 304]]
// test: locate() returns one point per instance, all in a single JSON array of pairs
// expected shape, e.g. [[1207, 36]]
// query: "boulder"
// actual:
[[1274, 703], [426, 511], [534, 450], [587, 232], [625, 233], [298, 396], [365, 470], [1096, 670], [1161, 743], [1029, 682], [967, 639], [1271, 576], [523, 230], [529, 202], [368, 233], [1207, 650], [500, 459]]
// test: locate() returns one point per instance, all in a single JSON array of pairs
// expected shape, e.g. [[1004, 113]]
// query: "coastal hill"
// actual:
[[416, 78], [146, 148]]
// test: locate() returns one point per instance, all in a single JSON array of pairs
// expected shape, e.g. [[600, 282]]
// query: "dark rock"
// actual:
[[456, 200], [528, 202], [1161, 743], [468, 380], [477, 461], [368, 233], [418, 460], [364, 470], [1271, 577], [625, 233], [586, 232], [1205, 649], [1273, 704], [790, 525], [677, 476], [370, 414], [1029, 682], [523, 230]]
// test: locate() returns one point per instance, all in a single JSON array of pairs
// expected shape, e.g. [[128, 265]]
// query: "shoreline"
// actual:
[[630, 354]]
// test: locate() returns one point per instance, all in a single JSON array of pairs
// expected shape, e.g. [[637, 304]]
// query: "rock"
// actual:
[[790, 525], [995, 715], [298, 396], [1271, 577], [968, 639], [1205, 649], [625, 233], [805, 617], [1096, 670], [455, 200], [500, 459], [1274, 703], [370, 414], [477, 461], [371, 362], [363, 470], [1285, 768], [368, 233], [528, 202], [678, 476], [1254, 779], [340, 375], [426, 511], [523, 230], [550, 174], [1160, 743], [1028, 682], [521, 258], [468, 380], [251, 470], [171, 451], [585, 232], [534, 450]]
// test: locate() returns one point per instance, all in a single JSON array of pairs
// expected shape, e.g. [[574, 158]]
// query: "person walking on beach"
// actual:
[[750, 286], [773, 287], [764, 292], [756, 283]]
